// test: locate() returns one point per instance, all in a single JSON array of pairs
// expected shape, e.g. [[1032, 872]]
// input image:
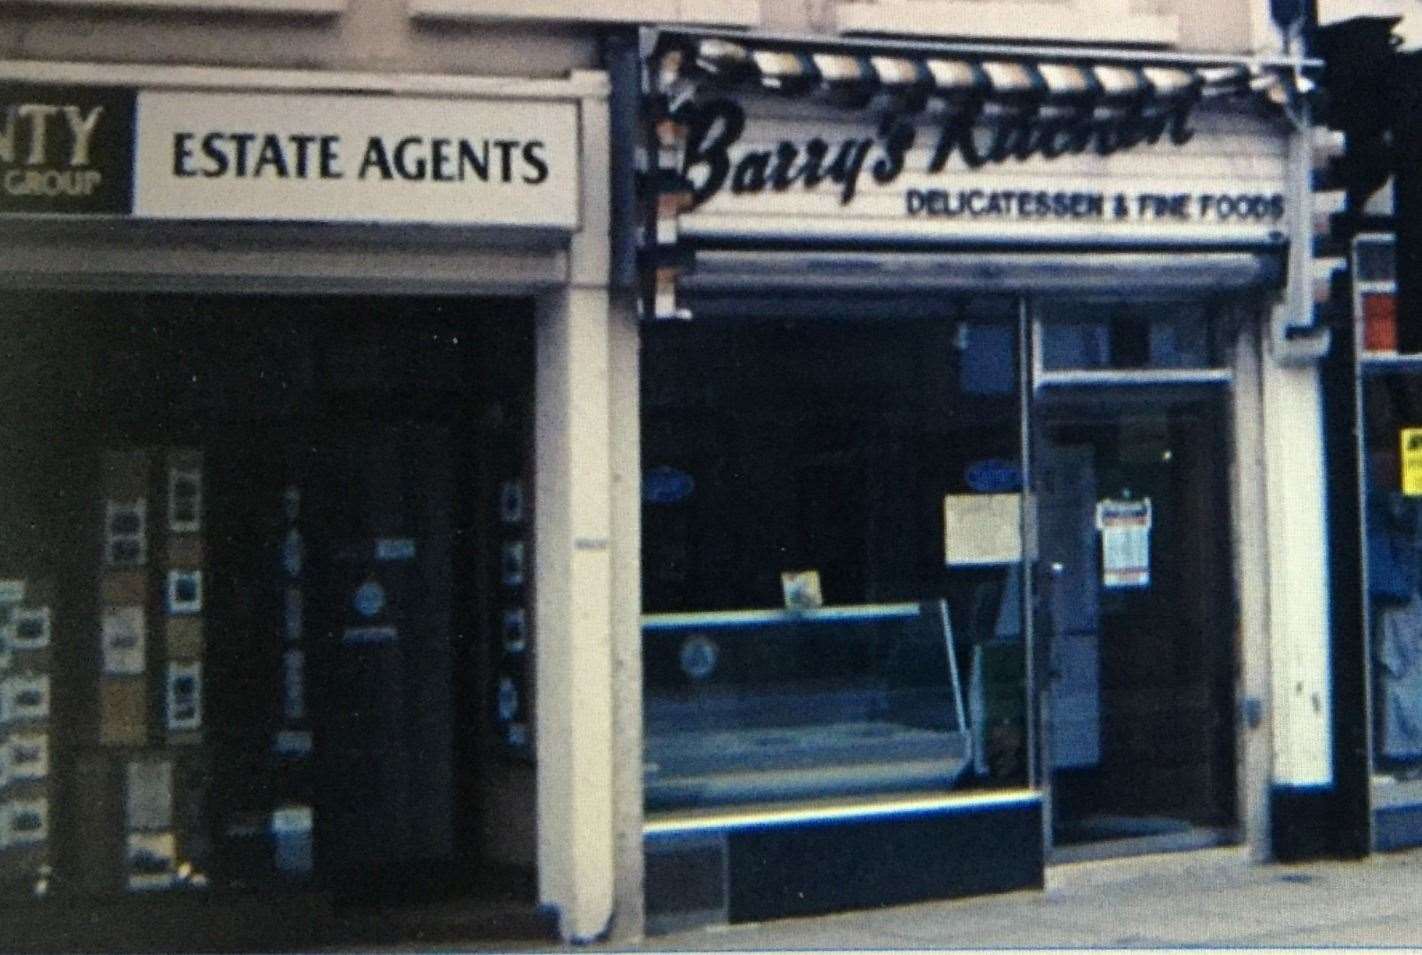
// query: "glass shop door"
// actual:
[[1135, 616], [383, 650]]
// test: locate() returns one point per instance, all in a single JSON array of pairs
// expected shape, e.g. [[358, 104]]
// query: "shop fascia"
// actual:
[[715, 127], [288, 156]]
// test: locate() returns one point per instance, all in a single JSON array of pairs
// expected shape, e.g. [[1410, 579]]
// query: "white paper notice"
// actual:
[[27, 756], [982, 528], [124, 633], [1125, 542], [184, 695]]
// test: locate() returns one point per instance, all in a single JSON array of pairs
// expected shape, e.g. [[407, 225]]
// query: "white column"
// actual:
[[1298, 574], [1254, 734], [629, 922], [1296, 506], [573, 582], [572, 616]]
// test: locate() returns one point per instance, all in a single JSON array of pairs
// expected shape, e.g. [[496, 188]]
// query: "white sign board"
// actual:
[[769, 169], [1125, 542], [356, 159], [982, 529]]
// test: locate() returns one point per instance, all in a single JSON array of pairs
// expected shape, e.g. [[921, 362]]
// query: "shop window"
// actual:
[[264, 617], [831, 558], [1390, 422], [1109, 342]]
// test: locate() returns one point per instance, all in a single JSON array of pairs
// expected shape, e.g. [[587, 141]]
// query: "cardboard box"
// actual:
[[184, 638], [97, 816], [123, 711], [185, 550], [119, 588]]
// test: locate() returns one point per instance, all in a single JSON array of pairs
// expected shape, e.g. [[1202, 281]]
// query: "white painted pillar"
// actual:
[[1254, 752], [1296, 505], [573, 589], [1298, 574], [630, 919]]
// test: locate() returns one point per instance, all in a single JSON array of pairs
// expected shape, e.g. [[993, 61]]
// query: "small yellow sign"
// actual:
[[1411, 457]]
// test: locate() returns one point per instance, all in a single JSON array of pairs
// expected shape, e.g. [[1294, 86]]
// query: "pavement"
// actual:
[[1211, 898]]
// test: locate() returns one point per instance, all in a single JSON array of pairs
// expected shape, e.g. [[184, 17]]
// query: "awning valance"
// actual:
[[936, 147], [854, 73]]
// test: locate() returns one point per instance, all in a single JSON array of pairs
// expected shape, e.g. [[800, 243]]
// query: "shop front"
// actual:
[[289, 364], [966, 375], [1380, 383]]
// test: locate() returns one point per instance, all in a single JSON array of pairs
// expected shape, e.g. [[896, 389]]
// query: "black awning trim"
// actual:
[[851, 76]]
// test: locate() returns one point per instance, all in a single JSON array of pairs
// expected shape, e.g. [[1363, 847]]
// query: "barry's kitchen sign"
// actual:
[[325, 158], [755, 169]]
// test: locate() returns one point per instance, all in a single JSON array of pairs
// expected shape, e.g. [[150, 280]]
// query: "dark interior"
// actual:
[[828, 445], [1166, 659], [398, 419]]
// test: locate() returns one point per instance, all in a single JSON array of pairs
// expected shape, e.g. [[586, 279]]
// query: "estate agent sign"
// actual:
[[66, 150], [290, 157]]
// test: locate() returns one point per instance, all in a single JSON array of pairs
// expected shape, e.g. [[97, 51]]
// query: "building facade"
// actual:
[[976, 378], [311, 550], [1367, 200], [678, 462]]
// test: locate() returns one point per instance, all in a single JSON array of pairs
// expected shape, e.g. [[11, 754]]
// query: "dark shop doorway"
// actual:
[[1137, 588], [337, 624]]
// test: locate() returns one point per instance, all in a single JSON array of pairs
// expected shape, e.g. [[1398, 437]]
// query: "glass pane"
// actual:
[[1392, 404], [255, 631], [1084, 336], [1133, 530], [1376, 260], [831, 554]]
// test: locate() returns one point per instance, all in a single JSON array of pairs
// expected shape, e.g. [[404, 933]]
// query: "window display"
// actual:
[[1106, 336], [1393, 529], [251, 606], [831, 558], [780, 704]]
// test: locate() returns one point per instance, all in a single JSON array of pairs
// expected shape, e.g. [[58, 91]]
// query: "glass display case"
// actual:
[[832, 558], [776, 704]]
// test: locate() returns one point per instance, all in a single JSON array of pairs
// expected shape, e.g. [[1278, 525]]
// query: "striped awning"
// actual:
[[854, 75], [1048, 103]]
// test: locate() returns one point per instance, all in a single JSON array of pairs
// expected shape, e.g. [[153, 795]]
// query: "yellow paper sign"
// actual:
[[1411, 457]]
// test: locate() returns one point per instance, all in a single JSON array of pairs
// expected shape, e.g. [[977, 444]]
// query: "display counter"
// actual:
[[759, 705]]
